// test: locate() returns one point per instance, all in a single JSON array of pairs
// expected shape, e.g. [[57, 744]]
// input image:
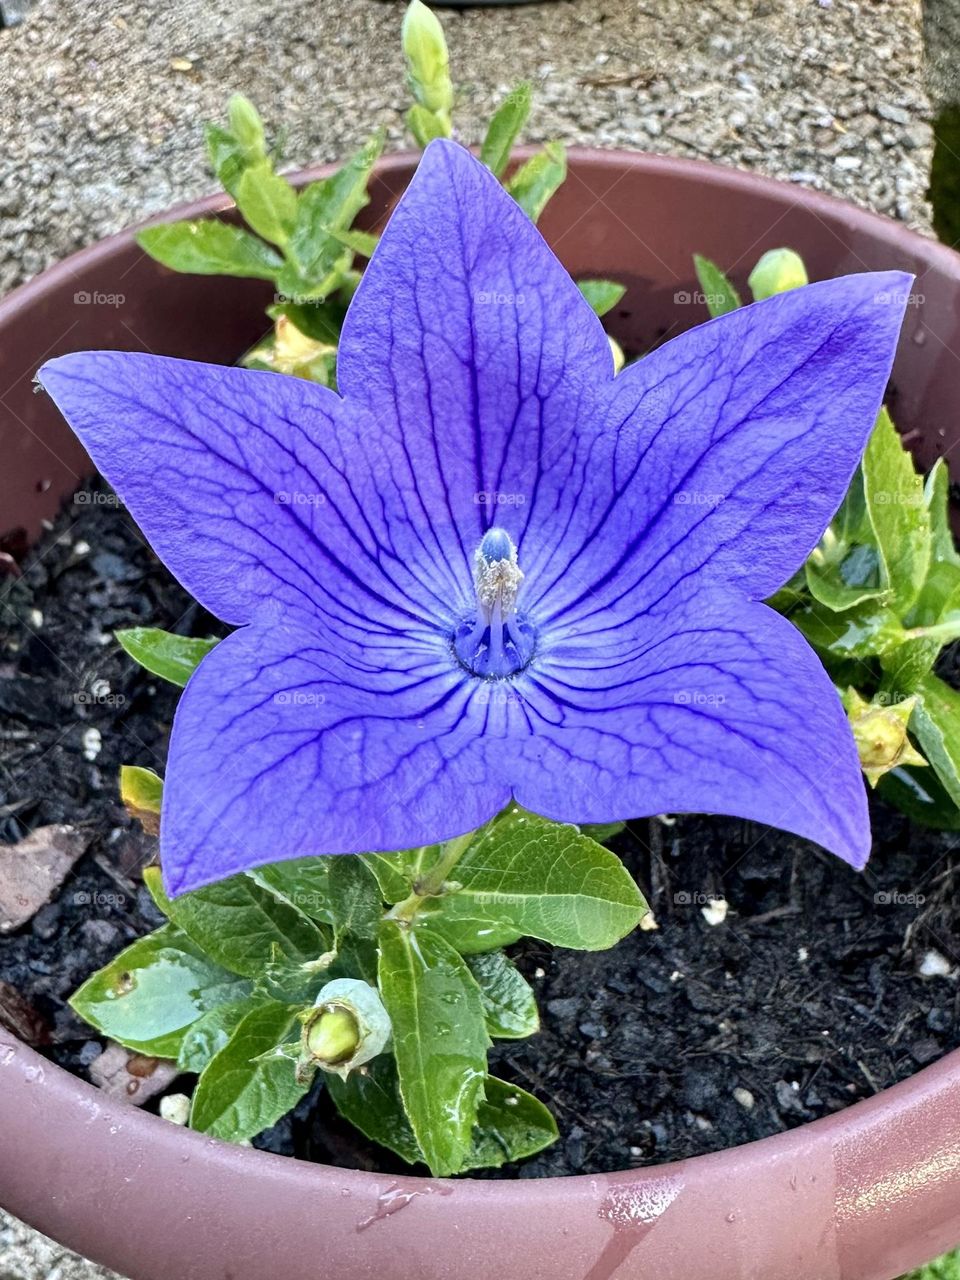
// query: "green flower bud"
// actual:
[[880, 732], [246, 125], [346, 1027], [776, 272], [428, 66]]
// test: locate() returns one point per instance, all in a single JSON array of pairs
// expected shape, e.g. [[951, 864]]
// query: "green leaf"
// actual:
[[228, 158], [536, 181], [867, 630], [211, 1031], [173, 658], [141, 791], [937, 495], [394, 872], [302, 882], [846, 567], [936, 723], [239, 1093], [440, 1040], [721, 297], [328, 206], [921, 795], [370, 1100], [525, 876], [602, 832], [149, 994], [511, 1124], [238, 923], [354, 897], [209, 247], [321, 321], [504, 129], [267, 202], [425, 125], [509, 1004], [361, 242], [898, 512], [603, 295]]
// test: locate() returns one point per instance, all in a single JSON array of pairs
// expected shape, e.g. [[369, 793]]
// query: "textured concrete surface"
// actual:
[[102, 105]]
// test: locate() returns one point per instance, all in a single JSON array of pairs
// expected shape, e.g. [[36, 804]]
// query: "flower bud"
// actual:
[[346, 1027], [426, 53], [880, 732], [776, 272], [246, 126]]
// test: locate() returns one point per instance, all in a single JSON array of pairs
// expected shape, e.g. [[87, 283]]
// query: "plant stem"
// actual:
[[432, 883]]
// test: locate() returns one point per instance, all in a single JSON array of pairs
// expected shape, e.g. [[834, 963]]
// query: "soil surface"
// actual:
[[685, 1039]]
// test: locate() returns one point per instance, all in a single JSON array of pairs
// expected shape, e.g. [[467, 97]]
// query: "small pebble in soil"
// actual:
[[935, 965]]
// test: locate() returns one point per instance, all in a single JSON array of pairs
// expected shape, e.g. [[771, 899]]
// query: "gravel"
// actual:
[[102, 108]]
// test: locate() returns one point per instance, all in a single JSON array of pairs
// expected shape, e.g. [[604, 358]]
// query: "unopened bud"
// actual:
[[428, 66], [776, 272], [880, 732], [346, 1027], [246, 125]]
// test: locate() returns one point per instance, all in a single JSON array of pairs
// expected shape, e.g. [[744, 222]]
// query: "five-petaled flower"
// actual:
[[408, 659]]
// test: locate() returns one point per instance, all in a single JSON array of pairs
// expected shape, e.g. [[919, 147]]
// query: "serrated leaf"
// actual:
[[720, 295], [268, 203], [936, 724], [141, 791], [603, 295], [211, 1031], [536, 181], [163, 654], [327, 206], [511, 1123], [153, 991], [504, 129], [239, 1093], [509, 1004], [440, 1040], [525, 876], [208, 247], [238, 923], [897, 508]]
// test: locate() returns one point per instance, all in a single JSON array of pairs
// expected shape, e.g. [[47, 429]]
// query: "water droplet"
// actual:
[[442, 1028]]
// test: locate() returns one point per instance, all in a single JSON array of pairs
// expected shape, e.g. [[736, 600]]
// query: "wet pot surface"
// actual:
[[649, 1055]]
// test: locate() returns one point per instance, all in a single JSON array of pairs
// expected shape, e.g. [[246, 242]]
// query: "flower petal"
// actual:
[[474, 350], [286, 745], [721, 706], [725, 453], [254, 486]]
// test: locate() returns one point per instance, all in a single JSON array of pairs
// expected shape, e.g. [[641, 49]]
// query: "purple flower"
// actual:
[[493, 570]]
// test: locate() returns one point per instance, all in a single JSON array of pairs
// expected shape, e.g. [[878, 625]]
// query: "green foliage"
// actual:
[[235, 984], [536, 181], [603, 295], [879, 598], [505, 128], [945, 1268], [171, 657], [719, 293]]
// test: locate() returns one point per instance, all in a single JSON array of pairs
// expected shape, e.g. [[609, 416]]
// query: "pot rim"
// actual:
[[907, 1108]]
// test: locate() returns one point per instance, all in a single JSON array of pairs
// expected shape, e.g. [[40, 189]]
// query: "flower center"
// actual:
[[496, 642]]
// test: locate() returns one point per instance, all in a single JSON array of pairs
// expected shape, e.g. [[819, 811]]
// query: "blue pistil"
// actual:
[[495, 643]]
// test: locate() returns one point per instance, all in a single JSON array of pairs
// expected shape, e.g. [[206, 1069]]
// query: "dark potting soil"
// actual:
[[684, 1039]]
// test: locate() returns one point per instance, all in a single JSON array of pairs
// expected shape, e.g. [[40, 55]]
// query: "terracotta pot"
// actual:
[[863, 1195]]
